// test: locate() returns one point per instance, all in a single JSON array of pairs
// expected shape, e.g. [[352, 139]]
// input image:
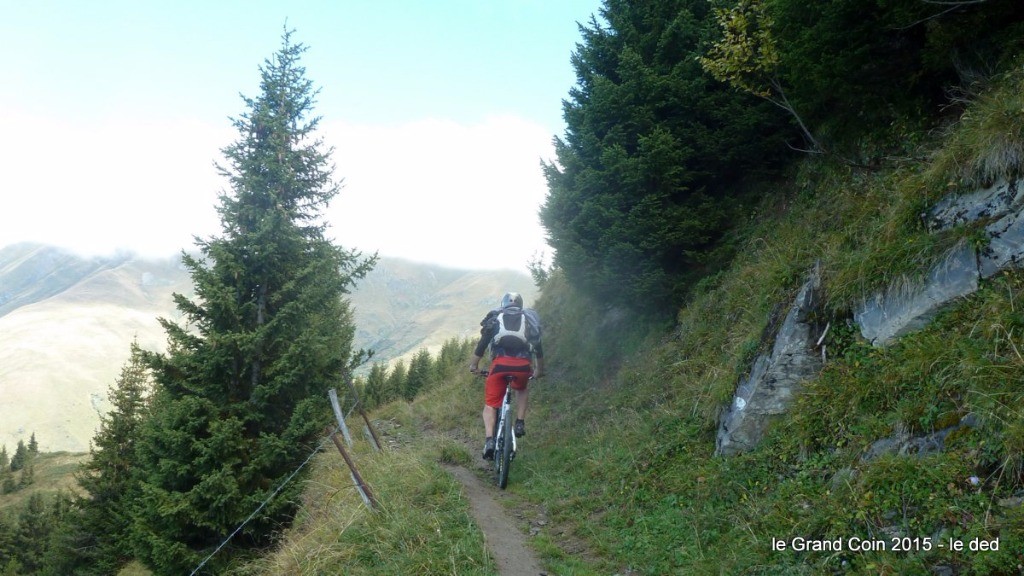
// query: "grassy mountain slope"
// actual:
[[401, 306], [52, 472], [32, 272], [66, 324], [60, 354], [620, 453]]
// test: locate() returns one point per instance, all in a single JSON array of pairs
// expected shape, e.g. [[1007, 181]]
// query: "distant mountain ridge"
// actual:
[[31, 272], [403, 306], [66, 323]]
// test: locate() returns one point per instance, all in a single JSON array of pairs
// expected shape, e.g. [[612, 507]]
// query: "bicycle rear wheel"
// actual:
[[503, 457]]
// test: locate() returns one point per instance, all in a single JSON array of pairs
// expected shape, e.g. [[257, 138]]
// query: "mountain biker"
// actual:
[[513, 334]]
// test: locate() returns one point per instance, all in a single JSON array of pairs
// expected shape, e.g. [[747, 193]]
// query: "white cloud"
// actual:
[[433, 190], [99, 187], [439, 191]]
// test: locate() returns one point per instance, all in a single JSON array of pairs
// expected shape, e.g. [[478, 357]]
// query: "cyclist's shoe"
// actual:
[[489, 449], [519, 428]]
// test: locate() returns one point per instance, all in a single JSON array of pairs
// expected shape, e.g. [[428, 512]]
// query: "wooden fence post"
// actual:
[[361, 486], [359, 405], [339, 416]]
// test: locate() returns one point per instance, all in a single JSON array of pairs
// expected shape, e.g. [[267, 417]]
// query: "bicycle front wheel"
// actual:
[[503, 459]]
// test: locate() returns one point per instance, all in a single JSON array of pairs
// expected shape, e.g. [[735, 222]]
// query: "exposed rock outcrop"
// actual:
[[903, 309], [901, 443], [904, 444], [776, 377], [990, 203]]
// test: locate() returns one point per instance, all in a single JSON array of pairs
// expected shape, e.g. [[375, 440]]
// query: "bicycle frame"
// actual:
[[503, 433]]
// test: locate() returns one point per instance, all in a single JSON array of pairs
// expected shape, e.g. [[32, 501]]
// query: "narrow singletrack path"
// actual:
[[505, 542]]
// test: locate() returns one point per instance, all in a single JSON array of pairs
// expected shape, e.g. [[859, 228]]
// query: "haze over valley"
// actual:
[[67, 322]]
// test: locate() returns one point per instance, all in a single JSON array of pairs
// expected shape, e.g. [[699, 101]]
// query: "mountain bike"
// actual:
[[504, 437]]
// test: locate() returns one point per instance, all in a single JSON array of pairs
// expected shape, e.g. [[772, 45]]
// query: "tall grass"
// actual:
[[422, 525], [987, 143]]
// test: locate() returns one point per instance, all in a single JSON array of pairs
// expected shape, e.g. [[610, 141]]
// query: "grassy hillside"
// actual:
[[646, 480], [401, 307], [620, 455], [52, 472], [60, 354], [31, 273]]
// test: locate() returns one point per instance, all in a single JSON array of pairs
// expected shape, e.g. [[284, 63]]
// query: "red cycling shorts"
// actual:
[[494, 389]]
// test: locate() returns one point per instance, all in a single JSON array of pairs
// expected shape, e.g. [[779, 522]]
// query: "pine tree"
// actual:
[[241, 393], [421, 369], [396, 382], [28, 472], [20, 457], [11, 568], [92, 539], [25, 460], [452, 354], [846, 69], [55, 542], [34, 525], [7, 547], [376, 384], [6, 480], [655, 155]]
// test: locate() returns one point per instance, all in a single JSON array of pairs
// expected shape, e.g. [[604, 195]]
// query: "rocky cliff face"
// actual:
[[776, 377], [908, 307]]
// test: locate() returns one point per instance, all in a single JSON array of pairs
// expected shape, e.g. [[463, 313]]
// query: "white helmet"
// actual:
[[512, 299]]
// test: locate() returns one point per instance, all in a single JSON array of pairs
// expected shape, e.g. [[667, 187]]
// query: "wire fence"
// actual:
[[361, 486], [265, 502]]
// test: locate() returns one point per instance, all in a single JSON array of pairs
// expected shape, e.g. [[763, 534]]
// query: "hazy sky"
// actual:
[[112, 114]]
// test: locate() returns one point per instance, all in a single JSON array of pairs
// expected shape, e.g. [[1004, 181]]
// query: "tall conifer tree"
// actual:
[[241, 394], [395, 385], [656, 157], [34, 525], [20, 457], [92, 538], [8, 564], [421, 368], [376, 382], [5, 471]]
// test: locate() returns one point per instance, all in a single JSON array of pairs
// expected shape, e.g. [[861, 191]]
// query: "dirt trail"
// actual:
[[505, 542], [502, 529]]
